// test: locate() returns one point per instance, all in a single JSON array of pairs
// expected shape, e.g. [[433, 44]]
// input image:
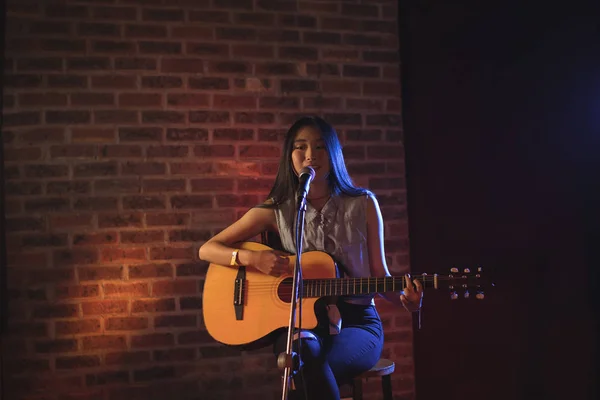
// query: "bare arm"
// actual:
[[411, 298], [219, 248]]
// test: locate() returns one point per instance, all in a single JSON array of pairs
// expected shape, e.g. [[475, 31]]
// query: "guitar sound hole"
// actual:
[[284, 291]]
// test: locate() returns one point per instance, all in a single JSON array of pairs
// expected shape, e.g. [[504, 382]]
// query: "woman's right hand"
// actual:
[[270, 262]]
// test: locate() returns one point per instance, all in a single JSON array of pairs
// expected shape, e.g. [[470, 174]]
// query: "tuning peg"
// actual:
[[454, 270], [453, 295], [467, 271], [480, 295], [467, 295]]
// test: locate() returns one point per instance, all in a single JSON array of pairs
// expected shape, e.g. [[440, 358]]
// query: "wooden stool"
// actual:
[[384, 369]]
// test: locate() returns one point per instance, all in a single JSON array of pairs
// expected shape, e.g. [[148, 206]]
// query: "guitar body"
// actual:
[[264, 302]]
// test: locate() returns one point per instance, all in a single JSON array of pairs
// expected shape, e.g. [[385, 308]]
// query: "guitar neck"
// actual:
[[354, 286]]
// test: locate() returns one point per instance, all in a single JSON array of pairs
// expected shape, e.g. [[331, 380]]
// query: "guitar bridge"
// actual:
[[239, 293]]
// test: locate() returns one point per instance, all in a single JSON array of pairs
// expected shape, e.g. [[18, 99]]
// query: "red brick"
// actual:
[[198, 268], [92, 135], [320, 103], [229, 67], [136, 63], [104, 342], [92, 99], [127, 358], [152, 306], [278, 35], [126, 289], [22, 80], [140, 134], [95, 203], [164, 185], [172, 253], [126, 323], [188, 100], [77, 362], [56, 346], [24, 154], [117, 186], [187, 202], [341, 87], [77, 327], [120, 220], [253, 51], [122, 254], [143, 168], [73, 151], [44, 240], [28, 330], [156, 47], [150, 271], [74, 256], [229, 102], [140, 100], [171, 219], [114, 13], [105, 307], [116, 117], [142, 237], [145, 31], [68, 187], [88, 63], [245, 201], [162, 82], [144, 203], [175, 321], [260, 151], [97, 29], [114, 81], [42, 99], [107, 378], [193, 31], [24, 118], [56, 311], [190, 168], [163, 117], [97, 273], [194, 337], [212, 184], [77, 291], [235, 168], [46, 171], [174, 288], [152, 340], [121, 151]]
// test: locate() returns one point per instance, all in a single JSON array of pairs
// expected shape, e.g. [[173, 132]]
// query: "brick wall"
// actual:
[[135, 130]]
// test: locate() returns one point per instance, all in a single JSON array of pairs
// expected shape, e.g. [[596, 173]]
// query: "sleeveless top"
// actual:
[[339, 229]]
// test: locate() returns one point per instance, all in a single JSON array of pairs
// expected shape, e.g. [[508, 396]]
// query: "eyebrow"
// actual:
[[306, 140]]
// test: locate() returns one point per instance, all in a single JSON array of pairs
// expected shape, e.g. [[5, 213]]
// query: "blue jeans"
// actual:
[[331, 360]]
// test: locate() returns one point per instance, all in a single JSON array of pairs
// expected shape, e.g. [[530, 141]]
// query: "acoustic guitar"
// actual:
[[242, 305]]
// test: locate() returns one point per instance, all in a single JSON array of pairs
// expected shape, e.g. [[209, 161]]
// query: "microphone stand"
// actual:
[[289, 359]]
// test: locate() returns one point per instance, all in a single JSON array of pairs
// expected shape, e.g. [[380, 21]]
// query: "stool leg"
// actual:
[[357, 389], [386, 385]]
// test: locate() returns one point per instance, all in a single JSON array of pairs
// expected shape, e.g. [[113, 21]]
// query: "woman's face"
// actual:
[[309, 150]]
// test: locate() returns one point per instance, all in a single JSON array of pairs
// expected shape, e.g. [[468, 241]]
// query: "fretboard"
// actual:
[[350, 286]]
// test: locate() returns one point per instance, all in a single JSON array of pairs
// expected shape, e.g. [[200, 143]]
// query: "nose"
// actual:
[[309, 153]]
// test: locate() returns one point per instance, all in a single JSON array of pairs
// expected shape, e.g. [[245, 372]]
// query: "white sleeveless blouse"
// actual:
[[339, 229]]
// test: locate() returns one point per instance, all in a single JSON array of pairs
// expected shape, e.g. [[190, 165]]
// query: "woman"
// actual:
[[342, 220]]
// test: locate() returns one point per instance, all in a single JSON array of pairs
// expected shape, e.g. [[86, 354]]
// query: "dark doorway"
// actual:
[[501, 132]]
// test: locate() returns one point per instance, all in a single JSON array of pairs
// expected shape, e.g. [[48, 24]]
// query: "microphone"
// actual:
[[307, 174]]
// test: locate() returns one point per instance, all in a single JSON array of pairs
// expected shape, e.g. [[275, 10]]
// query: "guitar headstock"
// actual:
[[467, 283]]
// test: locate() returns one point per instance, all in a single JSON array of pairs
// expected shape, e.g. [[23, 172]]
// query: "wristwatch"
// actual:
[[234, 256]]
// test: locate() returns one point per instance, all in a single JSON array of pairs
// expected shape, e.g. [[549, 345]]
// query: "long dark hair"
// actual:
[[339, 180]]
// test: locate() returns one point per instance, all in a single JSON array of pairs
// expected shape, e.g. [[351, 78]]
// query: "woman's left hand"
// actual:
[[413, 295]]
